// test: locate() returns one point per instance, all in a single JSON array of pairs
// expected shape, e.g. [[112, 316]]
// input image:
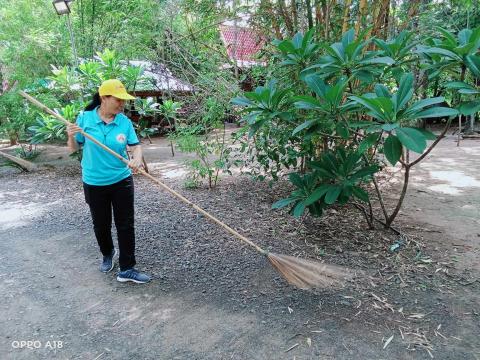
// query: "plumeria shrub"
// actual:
[[338, 113]]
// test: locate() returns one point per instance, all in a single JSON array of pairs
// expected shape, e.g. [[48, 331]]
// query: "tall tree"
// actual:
[[346, 15], [362, 11], [308, 4]]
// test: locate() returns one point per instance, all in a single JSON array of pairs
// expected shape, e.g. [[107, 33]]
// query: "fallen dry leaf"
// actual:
[[416, 316], [388, 341], [292, 347]]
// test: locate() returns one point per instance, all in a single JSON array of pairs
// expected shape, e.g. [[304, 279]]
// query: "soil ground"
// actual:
[[213, 298]]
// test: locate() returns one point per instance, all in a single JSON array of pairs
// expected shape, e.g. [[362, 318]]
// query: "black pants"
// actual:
[[119, 197]]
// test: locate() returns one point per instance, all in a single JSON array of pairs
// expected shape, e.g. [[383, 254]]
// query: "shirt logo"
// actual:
[[121, 138]]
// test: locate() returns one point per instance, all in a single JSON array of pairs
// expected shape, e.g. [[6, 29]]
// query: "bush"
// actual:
[[345, 110]]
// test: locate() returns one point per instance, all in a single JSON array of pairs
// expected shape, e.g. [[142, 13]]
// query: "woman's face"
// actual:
[[112, 104]]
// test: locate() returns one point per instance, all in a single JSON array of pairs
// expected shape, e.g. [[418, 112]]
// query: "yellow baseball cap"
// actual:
[[114, 88]]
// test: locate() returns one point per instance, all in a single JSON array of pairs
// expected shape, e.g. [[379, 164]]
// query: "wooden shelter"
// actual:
[[243, 46], [158, 83]]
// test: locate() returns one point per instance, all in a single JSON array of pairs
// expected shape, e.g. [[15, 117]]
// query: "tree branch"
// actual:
[[421, 157]]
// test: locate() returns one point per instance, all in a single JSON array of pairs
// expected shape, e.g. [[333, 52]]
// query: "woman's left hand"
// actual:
[[135, 165]]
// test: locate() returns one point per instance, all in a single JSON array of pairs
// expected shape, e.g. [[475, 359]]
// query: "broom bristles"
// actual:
[[308, 274]]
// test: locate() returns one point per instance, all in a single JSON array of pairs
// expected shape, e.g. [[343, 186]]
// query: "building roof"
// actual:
[[242, 44], [159, 78]]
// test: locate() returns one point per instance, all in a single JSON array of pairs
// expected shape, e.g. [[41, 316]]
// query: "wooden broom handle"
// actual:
[[165, 187], [66, 122]]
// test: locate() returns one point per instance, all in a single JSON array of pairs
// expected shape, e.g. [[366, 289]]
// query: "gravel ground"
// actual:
[[212, 297]]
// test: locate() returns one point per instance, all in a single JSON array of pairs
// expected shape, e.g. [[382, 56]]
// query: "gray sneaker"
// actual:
[[133, 275], [108, 262]]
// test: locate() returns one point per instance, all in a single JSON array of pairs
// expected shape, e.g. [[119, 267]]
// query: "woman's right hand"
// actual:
[[72, 129]]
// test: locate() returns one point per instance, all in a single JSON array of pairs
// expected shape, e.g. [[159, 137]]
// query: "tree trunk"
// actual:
[[387, 22], [380, 13], [362, 9], [413, 7], [329, 6], [346, 16], [308, 3], [293, 5], [375, 12], [286, 18], [318, 13], [273, 17]]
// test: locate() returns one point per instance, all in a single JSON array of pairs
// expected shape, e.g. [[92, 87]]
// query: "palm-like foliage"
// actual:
[[348, 58], [453, 53], [393, 111]]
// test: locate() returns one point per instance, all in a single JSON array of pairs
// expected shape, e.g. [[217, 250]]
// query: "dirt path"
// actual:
[[445, 192], [212, 298]]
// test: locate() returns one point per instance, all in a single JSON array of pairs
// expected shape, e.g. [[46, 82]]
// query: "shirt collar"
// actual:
[[99, 119]]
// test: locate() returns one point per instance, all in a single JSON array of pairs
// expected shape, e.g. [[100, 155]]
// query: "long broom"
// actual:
[[305, 274]]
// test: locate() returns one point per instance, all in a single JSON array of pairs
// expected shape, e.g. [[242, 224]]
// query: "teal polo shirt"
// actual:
[[98, 166]]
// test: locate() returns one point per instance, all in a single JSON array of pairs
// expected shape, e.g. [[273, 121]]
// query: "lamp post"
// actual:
[[62, 7]]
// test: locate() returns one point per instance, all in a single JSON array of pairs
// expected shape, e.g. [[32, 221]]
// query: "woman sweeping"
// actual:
[[107, 182]]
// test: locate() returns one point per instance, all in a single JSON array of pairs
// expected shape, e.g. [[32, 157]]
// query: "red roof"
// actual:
[[248, 44]]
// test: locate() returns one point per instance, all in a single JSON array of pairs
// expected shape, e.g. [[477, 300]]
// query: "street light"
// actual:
[[62, 7]]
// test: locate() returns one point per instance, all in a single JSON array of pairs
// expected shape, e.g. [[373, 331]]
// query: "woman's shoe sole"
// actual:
[[127, 280]]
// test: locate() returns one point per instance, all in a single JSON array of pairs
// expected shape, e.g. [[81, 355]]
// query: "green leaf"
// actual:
[[348, 37], [360, 125], [368, 142], [463, 36], [389, 127], [428, 134], [303, 126], [419, 105], [297, 40], [468, 91], [282, 203], [475, 37], [384, 60], [392, 148], [363, 172], [299, 209], [405, 91], [320, 170], [470, 108], [332, 194], [439, 51], [296, 180], [289, 62], [316, 83], [412, 139], [286, 46], [448, 36], [334, 94], [473, 64], [458, 85], [337, 51], [373, 106], [306, 102], [241, 101], [317, 194], [382, 90], [342, 130], [330, 161], [436, 112], [360, 193]]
